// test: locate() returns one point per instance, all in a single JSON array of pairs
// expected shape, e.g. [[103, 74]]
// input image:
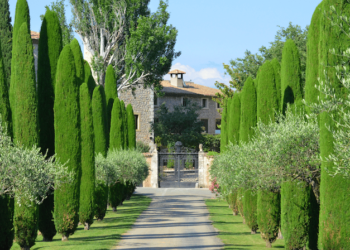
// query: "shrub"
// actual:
[[142, 147], [211, 142]]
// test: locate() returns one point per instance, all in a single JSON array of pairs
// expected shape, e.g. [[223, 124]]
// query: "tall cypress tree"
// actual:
[[334, 191], [67, 142], [116, 140], [277, 71], [26, 131], [268, 203], [125, 124], [22, 16], [131, 127], [223, 141], [88, 77], [234, 113], [99, 113], [87, 184], [6, 38], [6, 202], [248, 122], [79, 61], [50, 47], [111, 92], [296, 196]]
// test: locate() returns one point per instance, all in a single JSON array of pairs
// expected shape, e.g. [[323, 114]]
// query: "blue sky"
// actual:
[[214, 32]]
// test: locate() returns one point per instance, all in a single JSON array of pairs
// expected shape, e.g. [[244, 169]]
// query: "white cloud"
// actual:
[[206, 76]]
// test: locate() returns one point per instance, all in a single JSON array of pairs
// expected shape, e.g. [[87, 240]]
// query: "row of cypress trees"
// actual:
[[64, 113], [304, 221]]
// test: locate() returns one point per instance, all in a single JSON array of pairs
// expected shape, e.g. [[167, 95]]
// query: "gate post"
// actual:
[[154, 169], [201, 167]]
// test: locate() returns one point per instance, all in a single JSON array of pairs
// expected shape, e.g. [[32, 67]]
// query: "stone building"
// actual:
[[176, 92], [35, 40]]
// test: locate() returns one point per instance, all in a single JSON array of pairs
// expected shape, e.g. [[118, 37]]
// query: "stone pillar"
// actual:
[[201, 167], [154, 169]]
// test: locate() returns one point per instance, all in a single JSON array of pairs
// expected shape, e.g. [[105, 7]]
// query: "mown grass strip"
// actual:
[[102, 234], [233, 233]]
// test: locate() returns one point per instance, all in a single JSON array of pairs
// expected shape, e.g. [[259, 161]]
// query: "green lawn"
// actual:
[[102, 234], [233, 233]]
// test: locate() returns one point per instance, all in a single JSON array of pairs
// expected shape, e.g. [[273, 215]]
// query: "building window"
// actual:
[[155, 100], [204, 103], [218, 126], [205, 125], [184, 101], [136, 122], [218, 105]]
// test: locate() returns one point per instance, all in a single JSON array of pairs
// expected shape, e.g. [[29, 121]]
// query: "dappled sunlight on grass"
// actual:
[[232, 231]]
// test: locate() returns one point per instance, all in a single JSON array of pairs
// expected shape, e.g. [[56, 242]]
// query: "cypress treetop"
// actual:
[[78, 59], [131, 127], [125, 124], [248, 110], [277, 71], [87, 185], [267, 103], [290, 75], [99, 114], [116, 140], [88, 77], [111, 92], [6, 38], [21, 16], [234, 113], [67, 142]]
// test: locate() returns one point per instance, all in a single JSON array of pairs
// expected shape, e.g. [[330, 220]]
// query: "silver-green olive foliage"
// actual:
[[25, 173], [284, 150]]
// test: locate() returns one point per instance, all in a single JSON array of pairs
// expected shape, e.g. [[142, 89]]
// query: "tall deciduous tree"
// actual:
[[268, 204], [26, 130], [131, 127], [6, 38], [6, 203], [50, 47], [22, 15], [87, 185], [140, 46], [67, 142]]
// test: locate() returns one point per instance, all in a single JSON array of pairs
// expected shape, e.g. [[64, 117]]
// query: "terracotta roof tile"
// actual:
[[190, 89], [176, 71], [35, 35]]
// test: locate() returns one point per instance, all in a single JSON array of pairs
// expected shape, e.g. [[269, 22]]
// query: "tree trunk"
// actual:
[[46, 239], [234, 213], [64, 237], [87, 226], [268, 244], [253, 231], [243, 220], [25, 248], [114, 209], [280, 236]]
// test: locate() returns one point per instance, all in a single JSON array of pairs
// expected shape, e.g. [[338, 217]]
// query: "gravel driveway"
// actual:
[[177, 218]]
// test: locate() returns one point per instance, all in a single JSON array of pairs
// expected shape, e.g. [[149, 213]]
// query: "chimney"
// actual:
[[176, 78]]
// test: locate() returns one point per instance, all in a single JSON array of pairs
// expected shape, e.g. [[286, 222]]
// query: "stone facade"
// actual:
[[210, 112], [142, 103]]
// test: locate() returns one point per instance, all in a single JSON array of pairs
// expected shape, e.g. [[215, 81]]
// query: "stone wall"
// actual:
[[147, 182], [211, 113], [142, 103]]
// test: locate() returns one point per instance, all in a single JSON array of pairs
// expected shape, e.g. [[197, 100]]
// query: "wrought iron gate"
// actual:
[[178, 169]]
